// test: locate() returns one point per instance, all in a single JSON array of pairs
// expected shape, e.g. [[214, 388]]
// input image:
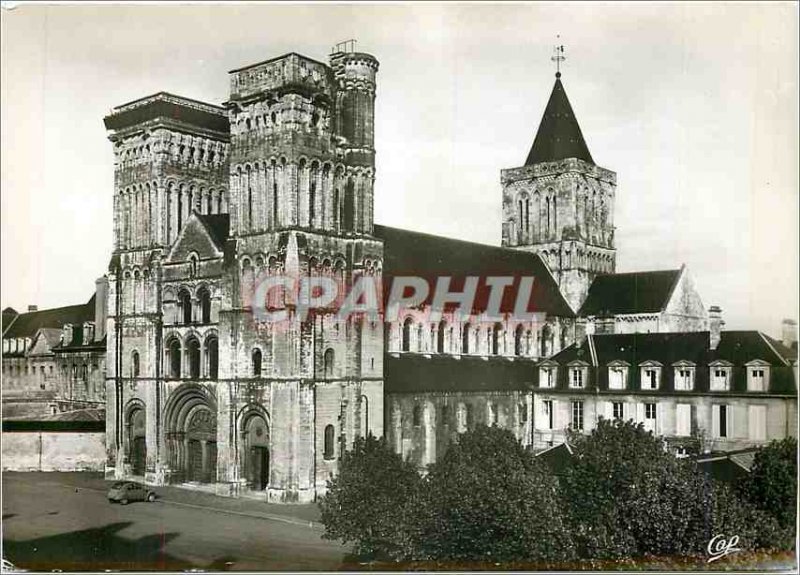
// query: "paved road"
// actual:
[[49, 523]]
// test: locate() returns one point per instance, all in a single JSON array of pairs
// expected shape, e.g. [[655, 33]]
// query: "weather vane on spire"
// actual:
[[558, 57]]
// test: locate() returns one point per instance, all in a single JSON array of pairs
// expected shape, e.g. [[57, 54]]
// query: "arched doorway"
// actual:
[[255, 450], [137, 443], [191, 424]]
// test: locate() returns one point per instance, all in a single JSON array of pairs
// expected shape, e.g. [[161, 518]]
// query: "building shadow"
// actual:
[[95, 549]]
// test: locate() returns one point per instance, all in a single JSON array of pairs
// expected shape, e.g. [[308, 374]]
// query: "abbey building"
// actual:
[[210, 201]]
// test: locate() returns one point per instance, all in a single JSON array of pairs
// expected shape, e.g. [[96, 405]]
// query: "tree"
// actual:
[[366, 502], [627, 496], [771, 485], [488, 499]]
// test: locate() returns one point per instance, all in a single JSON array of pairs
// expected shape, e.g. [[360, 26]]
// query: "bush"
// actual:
[[772, 483], [488, 499], [366, 502]]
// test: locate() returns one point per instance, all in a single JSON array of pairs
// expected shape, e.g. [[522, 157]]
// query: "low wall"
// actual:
[[54, 451]]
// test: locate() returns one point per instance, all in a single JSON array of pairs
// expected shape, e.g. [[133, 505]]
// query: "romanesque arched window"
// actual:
[[212, 357], [185, 303], [312, 197], [135, 364], [518, 341], [547, 341], [256, 360], [465, 338], [205, 305], [329, 450], [193, 358], [406, 343], [496, 331], [416, 416], [174, 358], [440, 338], [328, 363]]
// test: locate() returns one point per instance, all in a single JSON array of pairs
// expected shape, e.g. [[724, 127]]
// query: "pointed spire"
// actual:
[[559, 134]]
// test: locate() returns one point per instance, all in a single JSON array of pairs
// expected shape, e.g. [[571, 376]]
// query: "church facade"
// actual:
[[211, 203]]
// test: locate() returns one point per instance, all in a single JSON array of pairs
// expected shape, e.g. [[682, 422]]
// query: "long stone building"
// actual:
[[54, 360], [212, 201]]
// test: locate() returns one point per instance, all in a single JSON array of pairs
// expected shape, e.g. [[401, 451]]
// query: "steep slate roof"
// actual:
[[411, 373], [736, 347], [417, 254], [27, 324], [559, 135], [218, 226], [636, 292], [8, 317]]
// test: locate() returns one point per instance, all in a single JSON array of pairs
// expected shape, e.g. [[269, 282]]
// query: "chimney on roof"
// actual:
[[715, 324], [33, 308], [789, 333]]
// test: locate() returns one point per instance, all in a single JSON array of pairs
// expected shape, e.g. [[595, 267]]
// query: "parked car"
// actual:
[[9, 567], [125, 491]]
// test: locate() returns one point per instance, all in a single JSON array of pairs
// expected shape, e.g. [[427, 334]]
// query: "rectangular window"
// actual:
[[577, 377], [523, 412], [757, 380], [683, 419], [719, 379], [757, 422], [617, 410], [616, 378], [650, 379], [683, 379], [577, 415], [547, 414], [723, 421], [650, 417]]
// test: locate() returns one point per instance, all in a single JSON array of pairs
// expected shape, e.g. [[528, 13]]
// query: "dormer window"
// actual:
[[720, 375], [684, 376], [617, 375], [650, 375], [757, 375], [547, 375], [577, 375]]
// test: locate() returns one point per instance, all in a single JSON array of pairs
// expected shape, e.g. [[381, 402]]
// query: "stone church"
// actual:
[[210, 200]]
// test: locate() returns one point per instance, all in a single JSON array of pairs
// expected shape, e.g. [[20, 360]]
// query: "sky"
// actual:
[[693, 105]]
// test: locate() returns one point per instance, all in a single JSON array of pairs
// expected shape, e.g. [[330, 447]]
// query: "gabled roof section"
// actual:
[[45, 340], [27, 324], [559, 135], [427, 256], [204, 234], [218, 226], [628, 293]]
